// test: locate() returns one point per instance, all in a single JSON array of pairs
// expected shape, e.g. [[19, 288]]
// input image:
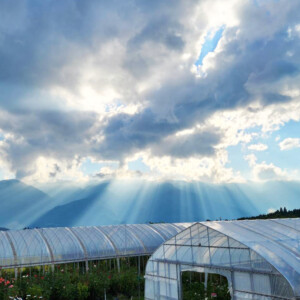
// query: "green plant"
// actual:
[[82, 291]]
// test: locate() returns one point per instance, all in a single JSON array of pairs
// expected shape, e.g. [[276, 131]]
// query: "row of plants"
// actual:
[[71, 282], [102, 281], [193, 287]]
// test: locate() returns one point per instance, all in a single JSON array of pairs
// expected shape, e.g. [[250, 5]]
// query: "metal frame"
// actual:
[[266, 273], [46, 239]]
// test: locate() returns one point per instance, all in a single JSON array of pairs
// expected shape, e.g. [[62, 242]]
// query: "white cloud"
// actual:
[[251, 158], [127, 69], [265, 172], [207, 169], [271, 210], [258, 147], [235, 123], [52, 170], [289, 143]]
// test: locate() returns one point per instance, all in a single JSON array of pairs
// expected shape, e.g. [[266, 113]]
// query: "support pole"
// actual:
[[139, 275], [206, 279], [118, 264], [179, 282]]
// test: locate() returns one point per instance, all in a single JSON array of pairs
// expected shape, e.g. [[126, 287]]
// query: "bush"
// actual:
[[70, 283]]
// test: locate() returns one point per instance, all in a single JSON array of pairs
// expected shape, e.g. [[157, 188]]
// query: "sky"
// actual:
[[188, 90]]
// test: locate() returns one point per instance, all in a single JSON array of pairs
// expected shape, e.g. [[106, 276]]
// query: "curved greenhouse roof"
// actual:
[[44, 246], [277, 241], [260, 258]]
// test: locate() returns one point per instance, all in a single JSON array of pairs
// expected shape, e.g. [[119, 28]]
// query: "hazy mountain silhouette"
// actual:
[[116, 202], [170, 202], [69, 213], [19, 203]]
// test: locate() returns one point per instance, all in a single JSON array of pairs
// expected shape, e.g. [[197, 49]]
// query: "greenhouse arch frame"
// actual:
[[259, 258], [60, 245]]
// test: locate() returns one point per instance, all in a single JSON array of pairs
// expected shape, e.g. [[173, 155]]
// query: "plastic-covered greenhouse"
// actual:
[[47, 246], [259, 258]]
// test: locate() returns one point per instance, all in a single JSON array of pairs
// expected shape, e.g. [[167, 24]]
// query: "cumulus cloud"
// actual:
[[265, 172], [110, 80], [258, 147], [53, 134], [271, 210], [289, 143], [188, 145], [268, 171], [207, 169]]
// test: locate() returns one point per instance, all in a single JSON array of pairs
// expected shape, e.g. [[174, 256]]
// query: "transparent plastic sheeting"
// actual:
[[68, 244], [259, 258]]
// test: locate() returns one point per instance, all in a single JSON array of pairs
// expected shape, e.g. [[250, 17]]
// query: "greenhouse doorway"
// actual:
[[206, 286]]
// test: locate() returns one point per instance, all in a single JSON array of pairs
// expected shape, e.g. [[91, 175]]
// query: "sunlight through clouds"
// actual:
[[149, 91]]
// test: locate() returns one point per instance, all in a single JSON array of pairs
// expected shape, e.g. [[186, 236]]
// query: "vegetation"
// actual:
[[193, 287], [278, 214], [105, 281], [71, 282]]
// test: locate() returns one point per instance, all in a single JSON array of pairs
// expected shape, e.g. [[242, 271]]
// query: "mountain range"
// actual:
[[118, 202]]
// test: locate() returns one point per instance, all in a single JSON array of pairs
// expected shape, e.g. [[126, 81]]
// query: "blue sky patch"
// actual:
[[210, 44], [138, 165], [89, 168]]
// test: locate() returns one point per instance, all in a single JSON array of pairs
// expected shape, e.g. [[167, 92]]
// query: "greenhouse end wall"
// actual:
[[250, 275]]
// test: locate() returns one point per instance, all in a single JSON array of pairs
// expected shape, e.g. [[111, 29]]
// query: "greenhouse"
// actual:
[[48, 246], [260, 259]]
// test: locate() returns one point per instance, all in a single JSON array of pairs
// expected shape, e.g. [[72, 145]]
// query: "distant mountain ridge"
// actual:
[[69, 213], [118, 202], [169, 202], [20, 202]]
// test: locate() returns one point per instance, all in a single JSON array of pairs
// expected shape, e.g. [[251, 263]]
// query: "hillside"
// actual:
[[116, 202], [20, 203], [119, 202]]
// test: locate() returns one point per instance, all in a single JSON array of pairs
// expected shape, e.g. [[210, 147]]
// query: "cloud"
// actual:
[[111, 80], [289, 143], [271, 210], [188, 145], [258, 147], [53, 134], [182, 101], [251, 158], [266, 172]]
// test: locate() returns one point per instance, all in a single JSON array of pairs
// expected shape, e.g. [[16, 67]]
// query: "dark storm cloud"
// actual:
[[185, 146], [38, 38], [160, 32], [51, 134], [270, 98], [126, 133], [43, 43]]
